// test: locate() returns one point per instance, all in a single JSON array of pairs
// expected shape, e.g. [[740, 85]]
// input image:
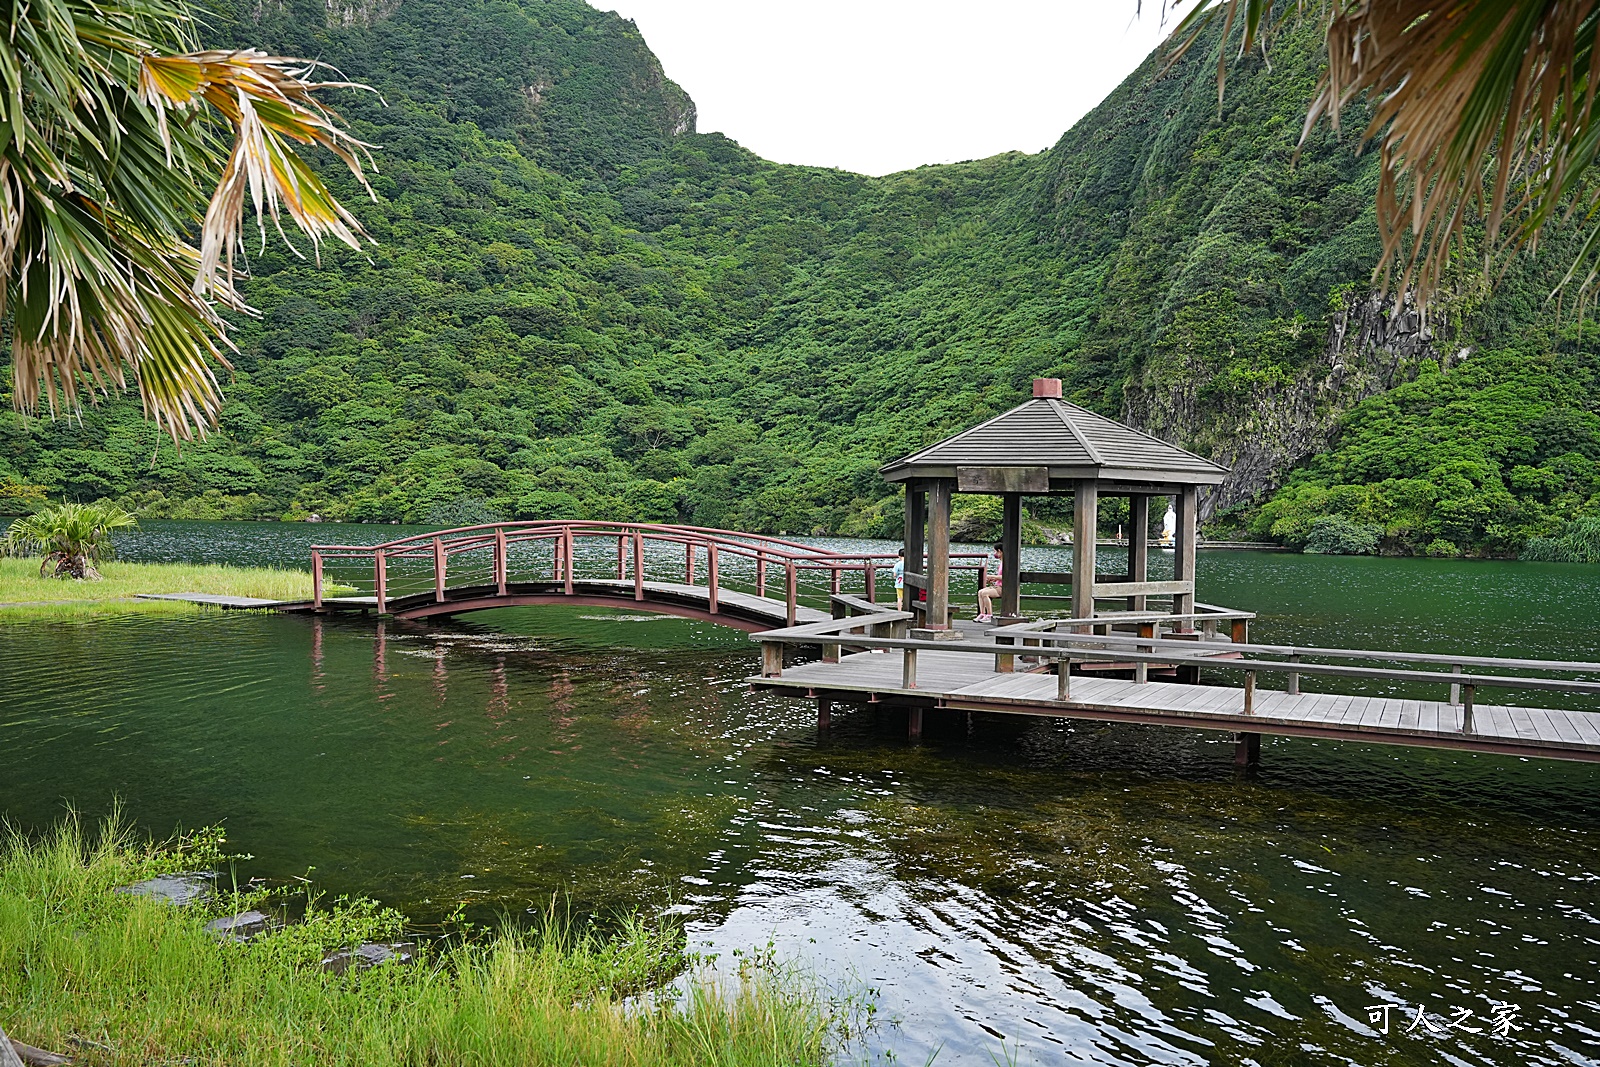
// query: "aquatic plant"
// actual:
[[70, 537]]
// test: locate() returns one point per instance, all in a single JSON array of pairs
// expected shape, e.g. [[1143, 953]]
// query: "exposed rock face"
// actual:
[[360, 12], [368, 955], [1370, 348], [240, 927]]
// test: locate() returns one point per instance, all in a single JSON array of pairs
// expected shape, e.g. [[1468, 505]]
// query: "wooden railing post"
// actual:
[[622, 553], [1064, 678], [761, 573], [502, 561], [380, 579], [908, 669], [568, 562], [1249, 692], [834, 577], [638, 565], [1467, 692], [688, 563], [316, 578], [1141, 669], [711, 576], [791, 592], [772, 659], [871, 590], [438, 570], [1293, 688], [1455, 687]]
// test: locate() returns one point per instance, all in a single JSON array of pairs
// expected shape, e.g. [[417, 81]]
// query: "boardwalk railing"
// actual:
[[492, 558], [1062, 643]]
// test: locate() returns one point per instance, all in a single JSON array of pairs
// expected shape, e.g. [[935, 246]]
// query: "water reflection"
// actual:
[[1074, 893]]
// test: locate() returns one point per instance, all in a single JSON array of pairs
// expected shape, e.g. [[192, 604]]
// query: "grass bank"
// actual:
[[115, 979], [24, 593]]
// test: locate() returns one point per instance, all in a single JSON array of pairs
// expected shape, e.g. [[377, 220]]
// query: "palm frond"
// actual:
[[1482, 110], [98, 191]]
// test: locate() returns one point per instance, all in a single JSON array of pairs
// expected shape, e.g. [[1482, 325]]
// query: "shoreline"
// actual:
[[26, 595]]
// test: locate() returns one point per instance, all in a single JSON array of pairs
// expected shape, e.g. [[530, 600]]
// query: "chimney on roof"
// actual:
[[1047, 388]]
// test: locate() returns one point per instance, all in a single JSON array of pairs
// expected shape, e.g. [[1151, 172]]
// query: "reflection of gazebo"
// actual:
[[1048, 447]]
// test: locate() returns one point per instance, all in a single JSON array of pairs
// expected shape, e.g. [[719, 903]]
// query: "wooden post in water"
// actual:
[[914, 724], [1085, 529], [1246, 751], [1138, 545], [712, 578], [638, 564], [939, 554], [502, 560], [316, 578], [438, 570], [380, 579], [824, 714]]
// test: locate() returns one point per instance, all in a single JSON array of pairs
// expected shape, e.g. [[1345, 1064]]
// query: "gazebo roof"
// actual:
[[1067, 440]]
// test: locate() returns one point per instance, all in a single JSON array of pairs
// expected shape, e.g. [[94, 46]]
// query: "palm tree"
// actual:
[[118, 141], [1482, 109], [70, 537]]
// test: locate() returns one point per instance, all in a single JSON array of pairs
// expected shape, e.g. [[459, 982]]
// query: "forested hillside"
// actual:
[[580, 306]]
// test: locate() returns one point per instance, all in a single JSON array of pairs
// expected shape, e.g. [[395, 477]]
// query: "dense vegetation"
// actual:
[[122, 979], [580, 306]]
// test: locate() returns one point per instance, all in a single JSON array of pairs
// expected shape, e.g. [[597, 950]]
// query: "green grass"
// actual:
[[24, 593], [115, 979]]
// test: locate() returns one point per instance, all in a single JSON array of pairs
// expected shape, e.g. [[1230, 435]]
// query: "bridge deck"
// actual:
[[964, 681]]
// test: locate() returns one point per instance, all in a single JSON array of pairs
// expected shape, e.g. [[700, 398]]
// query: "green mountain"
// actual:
[[580, 306]]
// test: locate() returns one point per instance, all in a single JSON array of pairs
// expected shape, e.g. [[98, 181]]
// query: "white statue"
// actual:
[[1169, 526]]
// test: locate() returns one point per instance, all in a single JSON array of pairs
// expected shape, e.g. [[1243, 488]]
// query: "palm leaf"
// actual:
[[1483, 111]]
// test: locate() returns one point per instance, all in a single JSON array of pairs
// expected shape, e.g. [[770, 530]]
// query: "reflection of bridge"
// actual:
[[742, 580]]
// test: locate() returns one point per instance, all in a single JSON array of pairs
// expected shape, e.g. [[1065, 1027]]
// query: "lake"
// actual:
[[1030, 891]]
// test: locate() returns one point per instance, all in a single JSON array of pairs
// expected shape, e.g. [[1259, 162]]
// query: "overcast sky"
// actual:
[[878, 86]]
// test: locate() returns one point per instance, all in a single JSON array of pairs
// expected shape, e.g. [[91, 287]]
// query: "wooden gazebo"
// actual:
[[1049, 447]]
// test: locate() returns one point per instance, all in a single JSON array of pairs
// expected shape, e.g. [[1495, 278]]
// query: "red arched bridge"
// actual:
[[736, 579]]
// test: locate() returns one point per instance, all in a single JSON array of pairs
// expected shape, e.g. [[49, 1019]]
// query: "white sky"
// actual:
[[877, 86]]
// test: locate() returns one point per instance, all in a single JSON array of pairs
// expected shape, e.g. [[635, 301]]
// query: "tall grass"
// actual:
[[22, 591], [120, 979]]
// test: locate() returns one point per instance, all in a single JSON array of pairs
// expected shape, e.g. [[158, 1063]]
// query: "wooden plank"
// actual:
[[1587, 723], [1107, 590], [1552, 727]]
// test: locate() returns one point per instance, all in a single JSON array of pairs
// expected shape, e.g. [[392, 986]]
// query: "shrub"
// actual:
[[1338, 536], [1442, 549]]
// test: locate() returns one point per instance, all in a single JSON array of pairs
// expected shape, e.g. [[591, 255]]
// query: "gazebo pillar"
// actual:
[[1184, 542], [1085, 530], [939, 492], [1011, 549], [916, 538], [1138, 545]]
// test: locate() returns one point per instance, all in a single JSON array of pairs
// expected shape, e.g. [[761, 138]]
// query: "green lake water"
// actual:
[[1054, 892]]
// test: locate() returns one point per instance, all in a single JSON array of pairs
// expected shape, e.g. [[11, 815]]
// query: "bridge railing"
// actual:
[[563, 553]]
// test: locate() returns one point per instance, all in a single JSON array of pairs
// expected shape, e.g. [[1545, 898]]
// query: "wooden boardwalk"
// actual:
[[963, 681]]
